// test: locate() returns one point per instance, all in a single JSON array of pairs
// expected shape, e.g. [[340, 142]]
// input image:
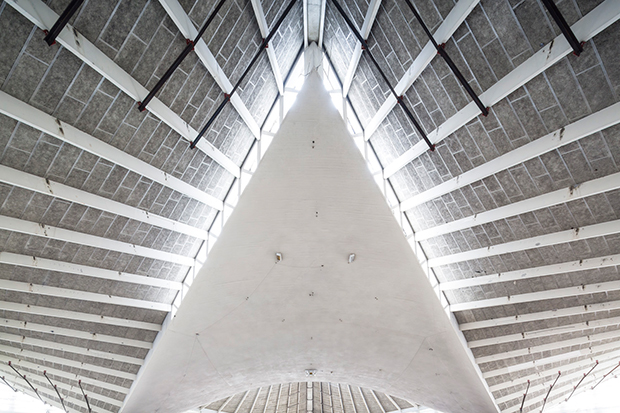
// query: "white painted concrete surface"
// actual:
[[248, 321]]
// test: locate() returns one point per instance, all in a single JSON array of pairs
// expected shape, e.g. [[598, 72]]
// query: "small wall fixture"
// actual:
[[278, 256], [310, 372], [351, 258]]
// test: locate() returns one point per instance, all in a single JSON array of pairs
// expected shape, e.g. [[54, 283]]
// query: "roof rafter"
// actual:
[[80, 334], [41, 15], [31, 116], [84, 270], [541, 315], [587, 126], [14, 338], [589, 351], [556, 345], [589, 26], [18, 353], [535, 272], [77, 316], [371, 14], [453, 20], [551, 372], [45, 186], [538, 296], [527, 335], [61, 373], [264, 31], [48, 231], [82, 295], [586, 232], [187, 28]]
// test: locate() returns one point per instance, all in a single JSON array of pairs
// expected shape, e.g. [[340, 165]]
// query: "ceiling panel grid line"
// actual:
[[187, 28], [589, 26], [453, 20], [573, 132], [371, 14], [42, 16], [27, 114]]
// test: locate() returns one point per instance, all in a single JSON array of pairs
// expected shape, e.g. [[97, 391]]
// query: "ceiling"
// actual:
[[106, 214]]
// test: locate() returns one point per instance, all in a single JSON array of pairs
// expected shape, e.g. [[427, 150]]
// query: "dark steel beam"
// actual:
[[62, 402], [227, 96], [188, 48], [582, 379], [549, 392], [399, 99], [84, 394], [441, 50], [564, 27], [50, 36], [524, 396]]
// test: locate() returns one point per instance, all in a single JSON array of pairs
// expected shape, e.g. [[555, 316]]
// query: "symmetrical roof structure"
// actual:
[[106, 214]]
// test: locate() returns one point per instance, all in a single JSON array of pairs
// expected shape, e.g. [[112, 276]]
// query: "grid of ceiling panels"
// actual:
[[103, 212], [525, 248], [317, 397]]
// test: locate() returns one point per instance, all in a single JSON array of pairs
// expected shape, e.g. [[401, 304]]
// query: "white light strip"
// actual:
[[31, 116], [589, 26], [41, 15]]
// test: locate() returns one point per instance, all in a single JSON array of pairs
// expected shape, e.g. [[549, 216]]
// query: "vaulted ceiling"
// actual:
[[106, 214]]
